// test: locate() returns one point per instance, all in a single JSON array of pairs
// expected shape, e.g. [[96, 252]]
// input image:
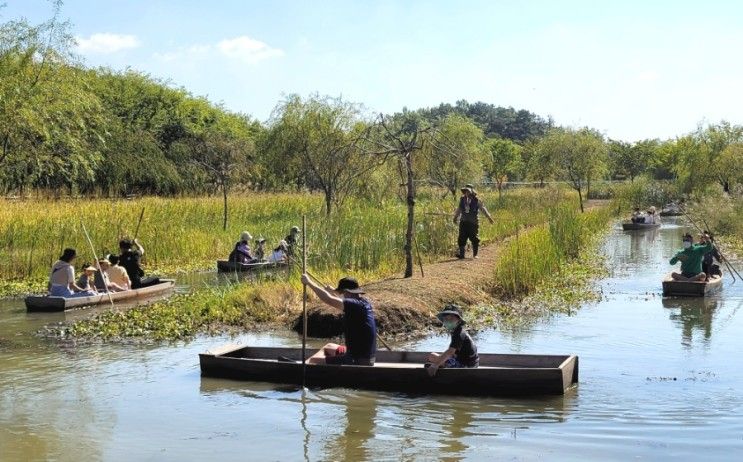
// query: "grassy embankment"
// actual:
[[362, 239]]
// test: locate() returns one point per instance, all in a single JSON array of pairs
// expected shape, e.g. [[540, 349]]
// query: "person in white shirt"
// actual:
[[62, 277]]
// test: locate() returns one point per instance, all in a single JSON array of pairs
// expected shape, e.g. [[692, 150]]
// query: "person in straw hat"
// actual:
[[86, 280], [467, 215], [360, 328], [462, 351], [102, 279]]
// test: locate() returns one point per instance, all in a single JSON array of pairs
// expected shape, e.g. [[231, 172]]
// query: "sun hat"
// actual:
[[245, 236], [350, 285], [451, 308], [295, 229], [260, 240], [90, 268], [104, 261]]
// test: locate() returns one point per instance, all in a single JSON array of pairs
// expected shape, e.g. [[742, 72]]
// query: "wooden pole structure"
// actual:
[[97, 263], [136, 232], [304, 301]]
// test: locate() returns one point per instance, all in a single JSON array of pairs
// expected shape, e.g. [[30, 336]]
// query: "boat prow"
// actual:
[[675, 288], [401, 371]]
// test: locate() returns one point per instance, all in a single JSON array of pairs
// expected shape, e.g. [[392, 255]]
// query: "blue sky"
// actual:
[[632, 69]]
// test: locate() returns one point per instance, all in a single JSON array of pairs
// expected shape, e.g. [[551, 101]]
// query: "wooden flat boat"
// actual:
[[690, 289], [639, 226], [46, 303], [224, 266], [401, 371]]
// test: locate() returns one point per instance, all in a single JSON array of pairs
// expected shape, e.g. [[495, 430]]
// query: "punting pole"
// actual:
[[304, 301], [97, 263]]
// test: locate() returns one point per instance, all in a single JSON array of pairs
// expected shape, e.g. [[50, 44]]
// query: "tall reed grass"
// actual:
[[538, 254], [182, 234]]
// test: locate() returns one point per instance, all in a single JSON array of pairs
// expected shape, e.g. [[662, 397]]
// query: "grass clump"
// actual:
[[547, 252]]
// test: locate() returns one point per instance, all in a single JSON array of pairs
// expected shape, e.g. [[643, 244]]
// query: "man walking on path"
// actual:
[[467, 216]]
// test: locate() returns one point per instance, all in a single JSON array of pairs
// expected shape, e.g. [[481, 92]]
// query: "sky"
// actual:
[[633, 69]]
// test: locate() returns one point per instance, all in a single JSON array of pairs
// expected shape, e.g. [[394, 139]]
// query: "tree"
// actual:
[[714, 140], [579, 155], [50, 123], [730, 165], [504, 162], [321, 136], [455, 152], [224, 157], [632, 159], [401, 136], [537, 162]]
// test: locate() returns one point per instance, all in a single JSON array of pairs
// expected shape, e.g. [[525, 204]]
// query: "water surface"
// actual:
[[660, 379]]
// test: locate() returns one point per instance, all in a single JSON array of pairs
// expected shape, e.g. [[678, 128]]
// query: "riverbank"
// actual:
[[403, 307]]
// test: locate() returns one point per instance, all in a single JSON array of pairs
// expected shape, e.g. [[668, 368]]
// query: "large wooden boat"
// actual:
[[47, 303], [639, 226], [224, 266], [690, 289], [403, 371]]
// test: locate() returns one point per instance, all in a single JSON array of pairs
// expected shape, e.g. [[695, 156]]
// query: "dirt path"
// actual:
[[405, 306]]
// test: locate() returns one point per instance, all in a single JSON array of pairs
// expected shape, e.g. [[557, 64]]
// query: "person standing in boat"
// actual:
[[462, 351], [291, 240], [130, 259], [691, 259], [360, 328], [62, 277], [241, 252], [467, 215], [708, 261]]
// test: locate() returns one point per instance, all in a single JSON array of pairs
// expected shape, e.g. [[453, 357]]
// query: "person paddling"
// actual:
[[130, 259], [62, 277], [467, 215], [462, 351], [691, 259], [360, 328]]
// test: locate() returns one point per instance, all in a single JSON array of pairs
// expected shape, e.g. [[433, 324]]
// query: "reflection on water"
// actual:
[[642, 393]]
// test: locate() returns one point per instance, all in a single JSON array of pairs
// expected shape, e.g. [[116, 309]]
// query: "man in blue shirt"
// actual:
[[359, 326]]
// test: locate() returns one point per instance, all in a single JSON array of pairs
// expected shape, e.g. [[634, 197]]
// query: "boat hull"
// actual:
[[401, 371], [224, 266], [673, 288], [46, 303], [639, 226]]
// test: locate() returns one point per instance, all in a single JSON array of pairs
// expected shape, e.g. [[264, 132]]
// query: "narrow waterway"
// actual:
[[660, 379]]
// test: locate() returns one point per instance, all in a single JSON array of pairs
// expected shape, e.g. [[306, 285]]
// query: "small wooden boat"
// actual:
[[690, 289], [402, 371], [46, 303], [639, 226], [224, 266]]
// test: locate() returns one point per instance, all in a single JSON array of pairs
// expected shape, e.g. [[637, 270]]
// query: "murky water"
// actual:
[[660, 379]]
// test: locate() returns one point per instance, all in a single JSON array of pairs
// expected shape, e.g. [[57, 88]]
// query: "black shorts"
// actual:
[[348, 360]]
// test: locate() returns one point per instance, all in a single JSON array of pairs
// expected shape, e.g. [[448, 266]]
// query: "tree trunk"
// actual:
[[224, 196], [411, 215], [500, 187], [588, 188], [580, 199], [328, 201]]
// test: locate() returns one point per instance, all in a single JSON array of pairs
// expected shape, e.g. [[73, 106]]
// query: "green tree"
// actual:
[[320, 139], [580, 156], [632, 159], [505, 161], [454, 153]]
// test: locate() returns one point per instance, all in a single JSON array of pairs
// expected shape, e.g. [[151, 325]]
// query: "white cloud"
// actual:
[[105, 43], [247, 49]]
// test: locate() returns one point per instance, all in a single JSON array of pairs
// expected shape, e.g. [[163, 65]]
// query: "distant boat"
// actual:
[[224, 266], [402, 371], [639, 226], [672, 287], [47, 303]]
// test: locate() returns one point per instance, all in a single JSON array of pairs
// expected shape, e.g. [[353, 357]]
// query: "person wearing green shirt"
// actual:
[[691, 257]]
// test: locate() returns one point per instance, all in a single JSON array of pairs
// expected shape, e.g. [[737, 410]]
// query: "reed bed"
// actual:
[[541, 253], [185, 234]]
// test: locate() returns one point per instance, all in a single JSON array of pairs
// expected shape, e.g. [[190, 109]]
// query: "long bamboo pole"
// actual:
[[304, 302], [727, 263], [97, 264]]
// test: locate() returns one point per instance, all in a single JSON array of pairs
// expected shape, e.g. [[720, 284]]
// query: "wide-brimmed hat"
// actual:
[[260, 240], [245, 236], [90, 268], [452, 309], [349, 285], [104, 262], [295, 229]]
